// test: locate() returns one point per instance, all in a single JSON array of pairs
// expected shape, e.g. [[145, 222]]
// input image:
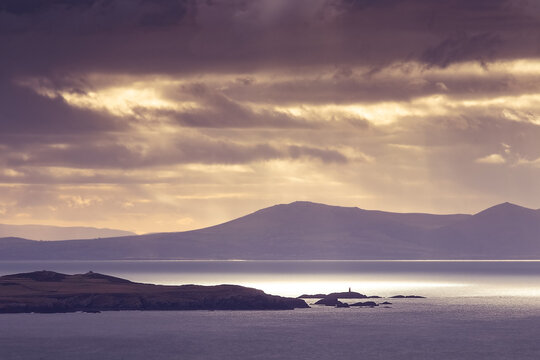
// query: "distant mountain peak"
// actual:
[[306, 203], [507, 204], [302, 202], [505, 208], [311, 204]]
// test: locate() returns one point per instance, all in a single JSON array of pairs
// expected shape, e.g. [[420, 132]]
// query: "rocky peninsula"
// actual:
[[52, 292]]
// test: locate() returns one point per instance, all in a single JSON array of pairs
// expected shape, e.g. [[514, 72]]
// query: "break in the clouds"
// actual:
[[169, 115]]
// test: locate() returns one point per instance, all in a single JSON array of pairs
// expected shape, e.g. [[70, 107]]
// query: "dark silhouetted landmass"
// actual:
[[336, 295], [46, 232], [328, 301], [304, 230], [346, 295], [332, 299], [312, 296], [52, 292], [365, 303]]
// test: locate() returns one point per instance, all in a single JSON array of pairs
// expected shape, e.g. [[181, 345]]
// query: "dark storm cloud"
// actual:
[[24, 7], [113, 155], [228, 114], [23, 112], [192, 36], [113, 13], [216, 110], [480, 47], [53, 37], [439, 33], [359, 88]]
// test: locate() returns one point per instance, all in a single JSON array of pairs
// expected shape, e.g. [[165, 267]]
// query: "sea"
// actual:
[[471, 310]]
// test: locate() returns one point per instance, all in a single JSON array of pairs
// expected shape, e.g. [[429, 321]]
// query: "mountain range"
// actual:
[[305, 230], [50, 233]]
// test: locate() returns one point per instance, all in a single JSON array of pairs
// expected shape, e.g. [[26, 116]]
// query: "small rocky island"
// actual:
[[332, 299], [52, 292]]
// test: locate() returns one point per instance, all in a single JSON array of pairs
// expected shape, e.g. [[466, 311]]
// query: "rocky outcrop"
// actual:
[[312, 296], [332, 299], [365, 303], [328, 301], [347, 295], [337, 295], [51, 292]]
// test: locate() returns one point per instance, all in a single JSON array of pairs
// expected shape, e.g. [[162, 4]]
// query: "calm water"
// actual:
[[424, 329], [474, 310]]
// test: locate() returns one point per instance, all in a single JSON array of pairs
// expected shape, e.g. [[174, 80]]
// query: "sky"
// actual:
[[178, 114]]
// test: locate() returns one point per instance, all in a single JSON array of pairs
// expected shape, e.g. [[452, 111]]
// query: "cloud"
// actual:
[[195, 109], [327, 156], [480, 47], [115, 153], [23, 112], [216, 110], [527, 162], [189, 37], [491, 159], [114, 14]]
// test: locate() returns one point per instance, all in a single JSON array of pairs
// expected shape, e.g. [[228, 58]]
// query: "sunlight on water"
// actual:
[[293, 278], [381, 288], [297, 284], [441, 285]]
